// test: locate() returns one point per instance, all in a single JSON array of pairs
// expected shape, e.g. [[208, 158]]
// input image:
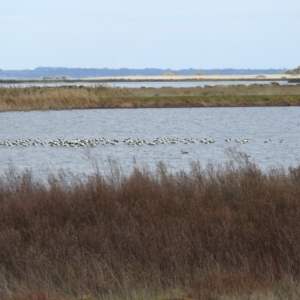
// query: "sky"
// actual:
[[175, 34]]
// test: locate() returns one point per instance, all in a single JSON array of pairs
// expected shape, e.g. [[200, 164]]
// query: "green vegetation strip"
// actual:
[[73, 97], [226, 99]]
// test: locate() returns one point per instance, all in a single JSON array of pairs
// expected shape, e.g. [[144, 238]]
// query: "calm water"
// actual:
[[257, 124], [152, 84]]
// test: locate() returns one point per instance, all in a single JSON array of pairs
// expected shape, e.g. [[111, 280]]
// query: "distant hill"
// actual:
[[43, 72]]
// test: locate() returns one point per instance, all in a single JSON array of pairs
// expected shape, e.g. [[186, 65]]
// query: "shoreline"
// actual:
[[161, 78]]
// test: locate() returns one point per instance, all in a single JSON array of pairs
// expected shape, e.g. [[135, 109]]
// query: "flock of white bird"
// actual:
[[93, 142]]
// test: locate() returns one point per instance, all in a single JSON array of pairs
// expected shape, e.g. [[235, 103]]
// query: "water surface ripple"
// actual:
[[280, 125]]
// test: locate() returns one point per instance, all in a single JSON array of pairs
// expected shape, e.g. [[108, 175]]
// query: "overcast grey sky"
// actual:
[[172, 34]]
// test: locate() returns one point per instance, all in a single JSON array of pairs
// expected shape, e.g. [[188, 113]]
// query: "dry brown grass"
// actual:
[[214, 232], [102, 96], [37, 295], [234, 90]]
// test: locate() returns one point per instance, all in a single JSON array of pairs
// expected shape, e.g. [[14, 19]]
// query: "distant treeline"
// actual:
[[44, 72]]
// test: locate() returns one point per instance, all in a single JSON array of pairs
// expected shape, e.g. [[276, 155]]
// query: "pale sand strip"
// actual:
[[195, 77], [257, 77]]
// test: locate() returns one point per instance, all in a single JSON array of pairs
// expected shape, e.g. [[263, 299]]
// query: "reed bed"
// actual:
[[226, 231], [103, 96]]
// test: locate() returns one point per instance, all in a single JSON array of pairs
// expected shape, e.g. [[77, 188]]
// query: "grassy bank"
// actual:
[[102, 96], [210, 233]]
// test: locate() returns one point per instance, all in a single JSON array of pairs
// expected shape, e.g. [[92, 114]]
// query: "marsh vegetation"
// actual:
[[103, 96], [226, 231]]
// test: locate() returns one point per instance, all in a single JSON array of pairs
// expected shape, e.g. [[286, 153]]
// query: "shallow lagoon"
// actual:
[[281, 125], [149, 84]]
